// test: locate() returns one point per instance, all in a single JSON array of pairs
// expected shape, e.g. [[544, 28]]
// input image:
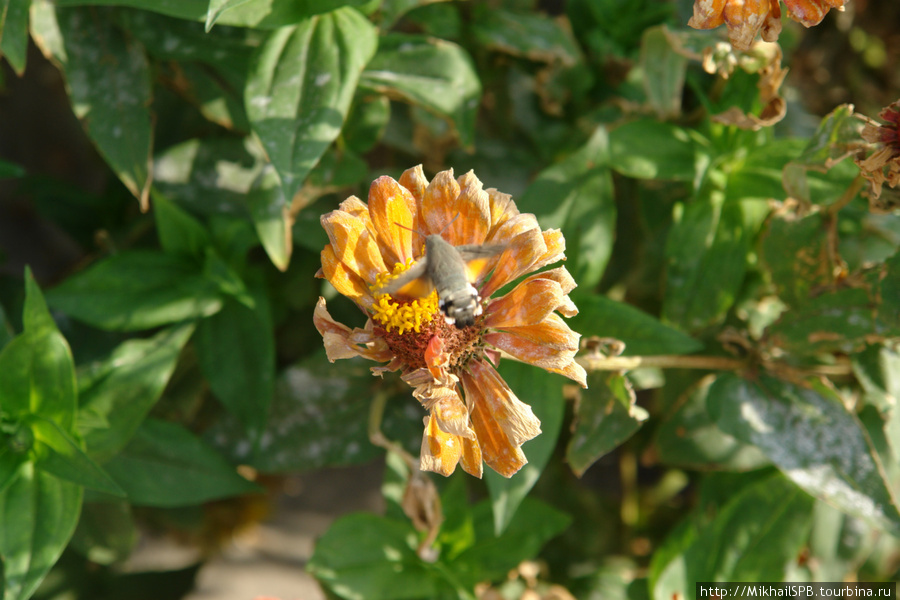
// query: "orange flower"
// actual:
[[472, 413], [883, 165], [746, 18]]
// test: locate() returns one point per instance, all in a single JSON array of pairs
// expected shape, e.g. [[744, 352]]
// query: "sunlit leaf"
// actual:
[[14, 32], [434, 74], [652, 150], [301, 83], [39, 513], [809, 434], [664, 72]]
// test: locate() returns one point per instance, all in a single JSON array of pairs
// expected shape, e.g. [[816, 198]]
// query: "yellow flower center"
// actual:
[[406, 315]]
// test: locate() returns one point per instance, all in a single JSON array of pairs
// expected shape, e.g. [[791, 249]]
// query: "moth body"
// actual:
[[446, 268]]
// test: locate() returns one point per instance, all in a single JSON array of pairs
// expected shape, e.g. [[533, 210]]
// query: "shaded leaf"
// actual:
[[771, 513], [651, 150], [543, 392], [527, 35], [137, 290], [39, 513], [688, 436], [576, 195], [236, 351], [606, 415], [809, 434], [121, 391], [795, 253], [166, 465], [839, 321], [434, 74], [706, 258], [10, 170], [14, 32], [664, 72], [642, 333], [301, 83], [179, 233], [106, 532], [108, 79]]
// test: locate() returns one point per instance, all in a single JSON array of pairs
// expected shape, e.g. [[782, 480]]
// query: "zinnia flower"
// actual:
[[746, 18], [883, 166], [472, 412]]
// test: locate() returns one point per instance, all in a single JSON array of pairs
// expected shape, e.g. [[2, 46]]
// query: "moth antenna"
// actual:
[[410, 229], [447, 226]]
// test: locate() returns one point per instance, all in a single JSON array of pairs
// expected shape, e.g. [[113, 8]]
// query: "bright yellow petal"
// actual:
[[440, 450], [394, 214], [353, 244], [470, 459], [439, 201], [344, 280]]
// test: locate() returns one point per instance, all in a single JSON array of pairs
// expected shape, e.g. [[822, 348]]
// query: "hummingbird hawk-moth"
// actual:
[[446, 268]]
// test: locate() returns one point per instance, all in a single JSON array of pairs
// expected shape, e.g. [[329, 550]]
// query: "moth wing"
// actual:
[[477, 258], [414, 283]]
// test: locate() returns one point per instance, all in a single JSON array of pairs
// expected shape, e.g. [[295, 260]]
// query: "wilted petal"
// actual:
[[470, 459], [394, 215], [496, 449], [708, 14], [438, 204], [502, 408], [502, 209], [336, 336], [745, 18], [345, 281], [556, 249], [811, 12], [415, 181]]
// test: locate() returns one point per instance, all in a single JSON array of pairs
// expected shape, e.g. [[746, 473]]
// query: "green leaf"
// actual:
[[121, 391], [753, 536], [543, 392], [217, 7], [137, 290], [653, 150], [106, 532], [839, 321], [526, 35], [383, 564], [236, 352], [688, 437], [39, 513], [643, 334], [37, 367], [166, 465], [664, 72], [837, 134], [756, 173], [491, 557], [14, 32], [301, 83], [108, 78], [809, 434], [179, 232], [10, 170], [431, 73], [271, 217], [795, 253], [606, 415], [706, 256], [317, 418], [60, 455], [576, 195], [264, 14]]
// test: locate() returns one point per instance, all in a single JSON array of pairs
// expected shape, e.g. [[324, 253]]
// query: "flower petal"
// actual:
[[472, 213], [344, 280], [515, 260], [496, 449], [502, 209], [501, 406], [528, 304], [440, 450], [341, 342], [811, 12], [708, 14], [550, 345], [415, 181], [394, 215], [439, 202], [744, 19], [353, 244]]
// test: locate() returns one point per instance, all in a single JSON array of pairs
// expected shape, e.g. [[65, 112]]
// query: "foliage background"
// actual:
[[163, 177]]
